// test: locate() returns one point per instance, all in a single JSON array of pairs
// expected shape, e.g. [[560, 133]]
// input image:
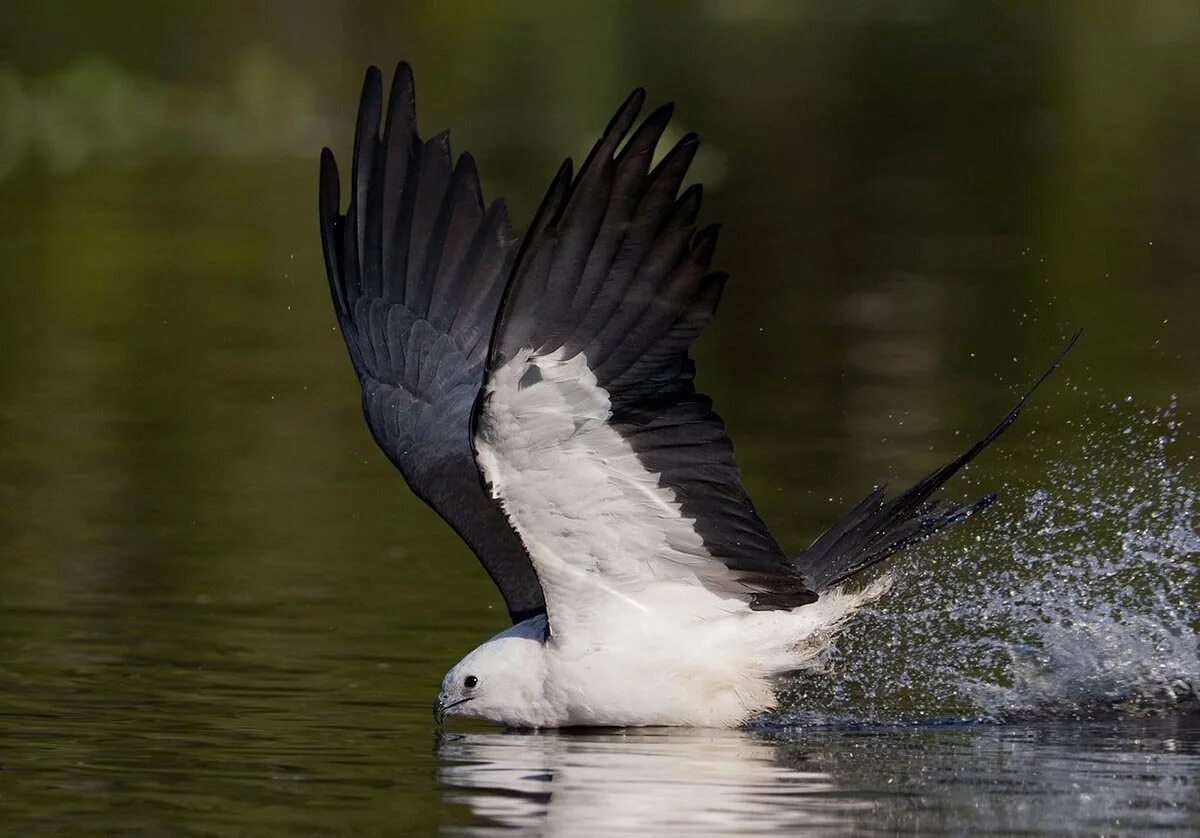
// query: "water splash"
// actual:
[[1079, 599]]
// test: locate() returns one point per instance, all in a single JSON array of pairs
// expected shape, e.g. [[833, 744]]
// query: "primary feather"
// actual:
[[416, 268]]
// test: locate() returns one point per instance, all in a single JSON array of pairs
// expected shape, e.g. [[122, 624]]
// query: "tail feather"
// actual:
[[877, 527]]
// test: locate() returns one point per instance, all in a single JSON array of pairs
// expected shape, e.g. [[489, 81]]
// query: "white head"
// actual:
[[501, 681]]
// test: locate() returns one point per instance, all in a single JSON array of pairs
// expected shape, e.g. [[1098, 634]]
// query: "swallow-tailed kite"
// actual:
[[539, 395]]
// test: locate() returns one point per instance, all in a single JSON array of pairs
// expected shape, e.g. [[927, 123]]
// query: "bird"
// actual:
[[538, 392]]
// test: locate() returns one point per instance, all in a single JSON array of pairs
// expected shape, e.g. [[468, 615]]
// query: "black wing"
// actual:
[[417, 267], [615, 270], [615, 274]]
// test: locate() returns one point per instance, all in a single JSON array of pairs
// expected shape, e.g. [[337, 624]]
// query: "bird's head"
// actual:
[[501, 681]]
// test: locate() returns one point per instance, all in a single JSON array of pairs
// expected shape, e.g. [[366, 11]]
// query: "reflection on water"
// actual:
[[688, 782], [1070, 779]]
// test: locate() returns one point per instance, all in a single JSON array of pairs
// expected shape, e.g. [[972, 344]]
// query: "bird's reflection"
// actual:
[[1130, 773], [664, 781]]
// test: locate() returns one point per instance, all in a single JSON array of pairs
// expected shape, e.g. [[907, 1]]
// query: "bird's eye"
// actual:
[[470, 682]]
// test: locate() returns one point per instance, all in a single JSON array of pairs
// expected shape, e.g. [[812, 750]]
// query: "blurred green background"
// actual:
[[202, 551]]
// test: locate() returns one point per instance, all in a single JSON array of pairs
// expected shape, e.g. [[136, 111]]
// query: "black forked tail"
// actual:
[[878, 527]]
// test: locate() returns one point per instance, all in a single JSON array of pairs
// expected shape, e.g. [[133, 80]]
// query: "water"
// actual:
[[221, 613], [1048, 779], [1078, 600]]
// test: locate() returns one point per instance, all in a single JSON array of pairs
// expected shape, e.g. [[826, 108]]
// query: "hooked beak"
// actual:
[[440, 709]]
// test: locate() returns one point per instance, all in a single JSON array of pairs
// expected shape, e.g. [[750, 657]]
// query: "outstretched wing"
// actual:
[[616, 473], [417, 267]]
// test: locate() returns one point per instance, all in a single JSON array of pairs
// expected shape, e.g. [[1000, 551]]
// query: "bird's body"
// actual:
[[635, 647], [658, 664], [540, 396]]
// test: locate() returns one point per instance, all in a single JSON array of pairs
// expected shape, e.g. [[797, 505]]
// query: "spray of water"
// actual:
[[1076, 599]]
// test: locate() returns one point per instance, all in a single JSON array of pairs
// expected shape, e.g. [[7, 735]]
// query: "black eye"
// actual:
[[470, 681]]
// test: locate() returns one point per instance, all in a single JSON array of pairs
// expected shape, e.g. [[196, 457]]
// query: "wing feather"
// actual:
[[416, 271], [617, 474]]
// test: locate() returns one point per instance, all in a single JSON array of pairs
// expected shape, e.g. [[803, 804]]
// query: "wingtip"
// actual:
[[466, 162], [678, 159], [402, 98], [622, 120], [647, 135], [466, 179], [366, 126], [705, 239], [441, 140], [635, 99], [661, 115], [564, 174], [403, 74], [714, 283], [372, 86], [329, 184], [694, 194]]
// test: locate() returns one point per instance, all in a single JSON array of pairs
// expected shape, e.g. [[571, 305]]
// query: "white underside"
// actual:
[[717, 673], [650, 672], [647, 628]]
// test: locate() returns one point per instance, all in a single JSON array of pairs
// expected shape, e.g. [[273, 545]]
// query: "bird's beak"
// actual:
[[441, 709]]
